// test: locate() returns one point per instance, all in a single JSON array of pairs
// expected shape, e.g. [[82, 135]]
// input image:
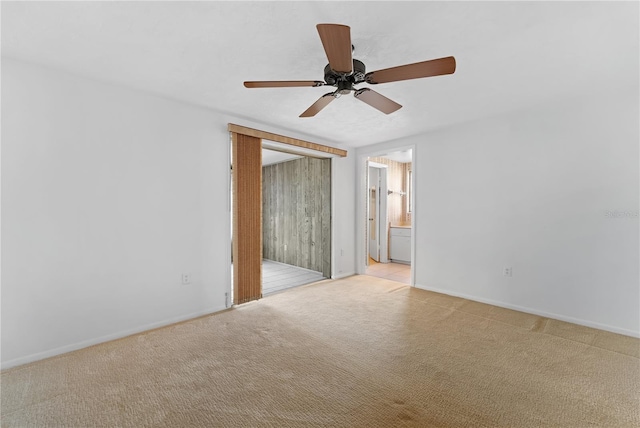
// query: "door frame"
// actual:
[[362, 155], [298, 146]]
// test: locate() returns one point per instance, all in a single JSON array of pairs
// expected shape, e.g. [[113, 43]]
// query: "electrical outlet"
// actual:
[[507, 271], [285, 247], [186, 278], [342, 252]]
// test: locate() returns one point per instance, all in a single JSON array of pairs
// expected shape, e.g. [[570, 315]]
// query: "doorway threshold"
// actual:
[[398, 272], [280, 276]]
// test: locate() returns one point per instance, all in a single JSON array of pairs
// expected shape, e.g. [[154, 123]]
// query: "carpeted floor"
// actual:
[[358, 352]]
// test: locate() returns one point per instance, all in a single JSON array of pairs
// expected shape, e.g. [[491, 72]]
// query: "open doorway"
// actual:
[[247, 209], [296, 220], [389, 216]]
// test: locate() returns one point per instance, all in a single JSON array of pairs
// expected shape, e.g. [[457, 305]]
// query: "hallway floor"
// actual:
[[279, 276], [398, 272]]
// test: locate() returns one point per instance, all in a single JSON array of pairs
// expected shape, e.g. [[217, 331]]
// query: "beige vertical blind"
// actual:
[[247, 218]]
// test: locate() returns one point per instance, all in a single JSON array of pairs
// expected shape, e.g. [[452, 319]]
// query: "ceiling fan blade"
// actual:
[[336, 40], [318, 105], [376, 100], [282, 83], [434, 67]]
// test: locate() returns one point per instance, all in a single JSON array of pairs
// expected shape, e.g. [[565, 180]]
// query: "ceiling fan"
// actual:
[[343, 72]]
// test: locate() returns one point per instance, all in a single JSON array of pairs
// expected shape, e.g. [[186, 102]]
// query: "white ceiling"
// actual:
[[270, 157], [509, 55]]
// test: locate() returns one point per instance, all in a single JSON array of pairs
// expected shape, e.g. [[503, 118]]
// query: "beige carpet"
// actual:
[[359, 352]]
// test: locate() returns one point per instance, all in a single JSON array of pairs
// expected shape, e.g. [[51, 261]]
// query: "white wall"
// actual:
[[108, 196], [531, 190], [343, 216]]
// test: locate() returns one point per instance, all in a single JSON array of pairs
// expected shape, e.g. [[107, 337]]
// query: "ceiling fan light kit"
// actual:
[[343, 72]]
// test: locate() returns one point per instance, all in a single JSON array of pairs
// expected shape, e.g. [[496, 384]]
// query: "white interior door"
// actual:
[[374, 213]]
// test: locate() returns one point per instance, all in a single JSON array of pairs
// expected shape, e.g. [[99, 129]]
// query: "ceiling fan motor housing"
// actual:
[[332, 78]]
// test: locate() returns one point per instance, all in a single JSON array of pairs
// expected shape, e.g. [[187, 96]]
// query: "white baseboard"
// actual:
[[533, 311], [343, 275], [86, 343]]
